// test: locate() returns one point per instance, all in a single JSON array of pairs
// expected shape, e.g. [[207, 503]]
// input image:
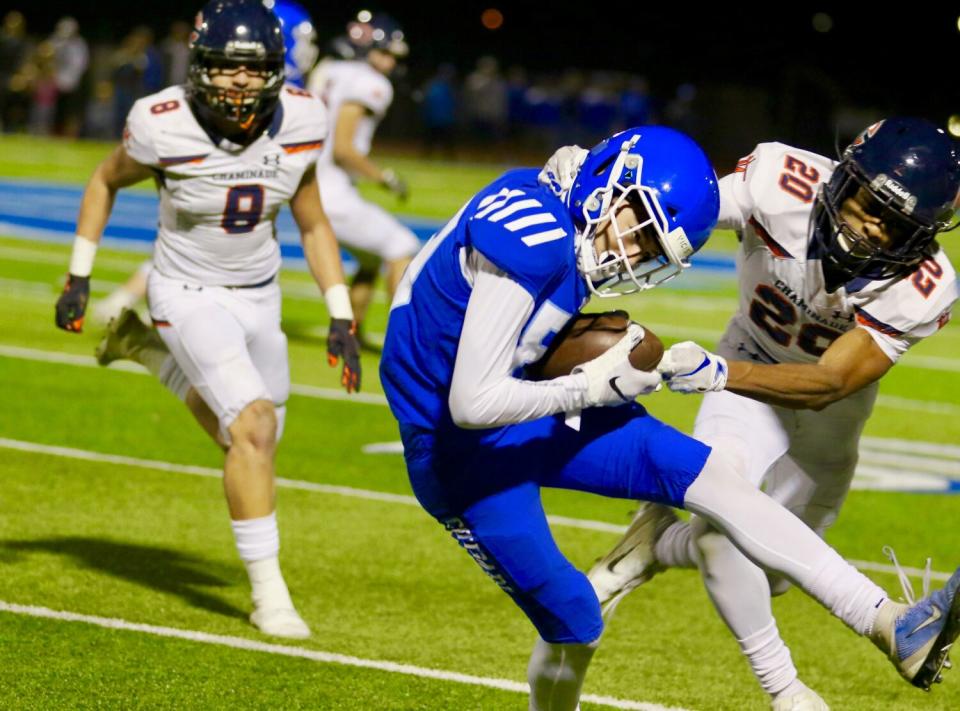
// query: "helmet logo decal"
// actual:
[[884, 183]]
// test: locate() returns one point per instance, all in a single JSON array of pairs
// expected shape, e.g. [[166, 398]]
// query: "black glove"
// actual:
[[395, 184], [72, 304], [342, 342]]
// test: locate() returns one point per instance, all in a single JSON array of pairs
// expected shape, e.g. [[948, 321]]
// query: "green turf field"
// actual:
[[137, 547]]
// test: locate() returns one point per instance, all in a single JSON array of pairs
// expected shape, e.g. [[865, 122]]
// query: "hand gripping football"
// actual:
[[585, 337]]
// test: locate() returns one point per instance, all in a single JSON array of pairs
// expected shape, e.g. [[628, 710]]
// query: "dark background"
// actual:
[[762, 71]]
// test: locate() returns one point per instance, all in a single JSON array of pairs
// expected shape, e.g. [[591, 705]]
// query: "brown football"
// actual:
[[589, 335]]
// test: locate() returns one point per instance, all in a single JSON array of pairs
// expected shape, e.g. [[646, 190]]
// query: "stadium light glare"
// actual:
[[822, 22], [953, 125], [492, 18]]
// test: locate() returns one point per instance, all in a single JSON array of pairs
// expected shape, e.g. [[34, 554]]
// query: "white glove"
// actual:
[[611, 379], [561, 169], [688, 368]]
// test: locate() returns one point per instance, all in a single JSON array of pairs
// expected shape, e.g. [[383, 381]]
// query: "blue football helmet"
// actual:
[[668, 180], [904, 171], [230, 34], [299, 38], [376, 31]]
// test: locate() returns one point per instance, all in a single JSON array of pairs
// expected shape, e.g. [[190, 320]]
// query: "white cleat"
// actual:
[[631, 562], [280, 622], [806, 700]]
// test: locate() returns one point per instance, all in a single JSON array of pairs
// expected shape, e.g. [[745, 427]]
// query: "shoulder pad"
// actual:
[[158, 131], [523, 229], [782, 184], [305, 119], [920, 300]]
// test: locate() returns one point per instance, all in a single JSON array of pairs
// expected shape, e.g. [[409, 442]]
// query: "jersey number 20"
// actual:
[[243, 209]]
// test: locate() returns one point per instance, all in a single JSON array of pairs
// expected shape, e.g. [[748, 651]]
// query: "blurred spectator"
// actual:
[[43, 84], [680, 113], [485, 97], [440, 112], [71, 57], [98, 121], [135, 73], [14, 50], [597, 108], [176, 53], [517, 110], [636, 107]]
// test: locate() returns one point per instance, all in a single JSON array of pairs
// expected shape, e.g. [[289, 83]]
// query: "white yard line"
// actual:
[[584, 524], [250, 645], [83, 361], [888, 401]]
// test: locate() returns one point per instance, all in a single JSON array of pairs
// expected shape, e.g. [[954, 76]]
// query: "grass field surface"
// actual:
[[121, 587]]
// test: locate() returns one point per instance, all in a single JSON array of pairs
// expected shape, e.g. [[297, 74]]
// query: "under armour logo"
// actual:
[[271, 159]]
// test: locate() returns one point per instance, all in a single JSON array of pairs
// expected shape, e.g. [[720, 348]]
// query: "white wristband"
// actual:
[[81, 261], [338, 302]]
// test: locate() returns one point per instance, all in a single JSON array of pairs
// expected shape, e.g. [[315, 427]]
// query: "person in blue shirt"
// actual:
[[484, 299]]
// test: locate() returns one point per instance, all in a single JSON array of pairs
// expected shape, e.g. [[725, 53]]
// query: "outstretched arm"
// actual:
[[852, 362]]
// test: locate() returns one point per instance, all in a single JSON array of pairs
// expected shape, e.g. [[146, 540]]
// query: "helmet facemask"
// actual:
[[849, 252], [242, 108], [615, 271]]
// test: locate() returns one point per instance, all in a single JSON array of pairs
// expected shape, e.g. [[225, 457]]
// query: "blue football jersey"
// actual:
[[526, 231]]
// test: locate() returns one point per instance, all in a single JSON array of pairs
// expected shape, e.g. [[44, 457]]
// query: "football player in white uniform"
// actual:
[[839, 275], [226, 151], [358, 94], [299, 39]]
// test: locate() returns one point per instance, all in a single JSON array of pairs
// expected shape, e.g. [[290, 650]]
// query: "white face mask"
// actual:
[[612, 272]]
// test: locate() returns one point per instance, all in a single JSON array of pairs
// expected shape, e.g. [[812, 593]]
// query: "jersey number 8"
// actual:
[[243, 209]]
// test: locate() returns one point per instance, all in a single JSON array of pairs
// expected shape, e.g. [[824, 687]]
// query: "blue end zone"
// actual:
[[48, 212]]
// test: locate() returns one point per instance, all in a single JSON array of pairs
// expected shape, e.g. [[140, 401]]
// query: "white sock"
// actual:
[[848, 594], [777, 540], [556, 673], [172, 377], [740, 592], [676, 548], [258, 543], [770, 660]]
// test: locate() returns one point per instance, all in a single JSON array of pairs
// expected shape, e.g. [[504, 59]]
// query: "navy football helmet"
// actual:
[[299, 38], [902, 172], [228, 35], [376, 31], [668, 180]]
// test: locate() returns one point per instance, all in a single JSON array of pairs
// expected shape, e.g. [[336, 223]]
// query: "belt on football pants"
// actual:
[[252, 286]]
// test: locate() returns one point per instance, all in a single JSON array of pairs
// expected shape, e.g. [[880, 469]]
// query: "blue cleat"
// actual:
[[918, 637]]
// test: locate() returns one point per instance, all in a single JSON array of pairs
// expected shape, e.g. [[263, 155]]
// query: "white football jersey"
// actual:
[[218, 200], [783, 305], [339, 82]]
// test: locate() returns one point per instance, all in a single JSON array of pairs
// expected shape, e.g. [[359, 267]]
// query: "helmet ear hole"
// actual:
[[602, 168]]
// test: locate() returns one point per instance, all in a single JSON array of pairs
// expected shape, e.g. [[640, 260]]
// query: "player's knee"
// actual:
[[255, 427], [565, 609]]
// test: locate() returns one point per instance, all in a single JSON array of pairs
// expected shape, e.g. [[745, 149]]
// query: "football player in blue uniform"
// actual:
[[299, 40], [483, 300]]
